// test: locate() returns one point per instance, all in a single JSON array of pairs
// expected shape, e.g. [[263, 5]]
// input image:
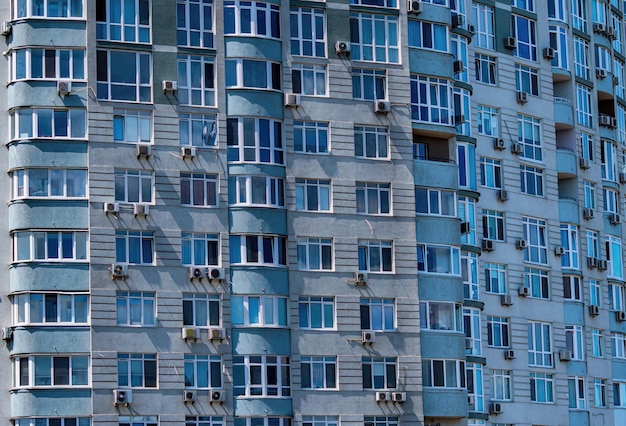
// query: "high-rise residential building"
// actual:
[[313, 213]]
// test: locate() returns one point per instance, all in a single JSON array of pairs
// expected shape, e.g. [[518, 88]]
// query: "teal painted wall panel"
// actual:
[[259, 280], [436, 287], [255, 103], [438, 230], [40, 277], [443, 345], [436, 64], [253, 48], [256, 169], [564, 114], [39, 32], [261, 341], [618, 370], [44, 214], [445, 403], [574, 313], [569, 211], [51, 403], [44, 93], [263, 407], [50, 340], [576, 368], [579, 418], [48, 154], [434, 174], [258, 220]]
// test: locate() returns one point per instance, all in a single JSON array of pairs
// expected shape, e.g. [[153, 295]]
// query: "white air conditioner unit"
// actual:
[[472, 29], [459, 119], [594, 310], [342, 47], [190, 333], [603, 264], [559, 251], [398, 396], [615, 219], [217, 397], [503, 195], [517, 148], [187, 151], [360, 278], [620, 316], [458, 66], [587, 213], [414, 7], [122, 397], [524, 291], [499, 144], [64, 87], [509, 354], [610, 32], [469, 343], [216, 273], [600, 73], [465, 228], [510, 43], [368, 337], [457, 21], [471, 400], [592, 262], [488, 245], [520, 244], [383, 396], [292, 100], [584, 163], [622, 177], [495, 408], [217, 333], [382, 107], [604, 120], [6, 334], [111, 207], [189, 396], [195, 272], [140, 209], [522, 97], [615, 80], [506, 300], [549, 53], [565, 355], [6, 28], [143, 150], [169, 86], [599, 27], [119, 270]]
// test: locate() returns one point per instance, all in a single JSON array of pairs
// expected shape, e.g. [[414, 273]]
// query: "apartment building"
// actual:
[[315, 213]]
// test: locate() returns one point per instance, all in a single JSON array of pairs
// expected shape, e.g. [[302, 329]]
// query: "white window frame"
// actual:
[[311, 248], [143, 241], [540, 344], [25, 183], [373, 49], [265, 367], [131, 365], [435, 202], [54, 244], [484, 24], [579, 15], [426, 263], [311, 137], [142, 84], [382, 368], [263, 191], [196, 91], [617, 297], [485, 69], [535, 233], [136, 308], [41, 123], [491, 173], [198, 130], [488, 120], [501, 381], [453, 373], [377, 314], [202, 33], [595, 292], [240, 130], [369, 84], [440, 109], [132, 126], [529, 135], [569, 241], [537, 281], [373, 256], [493, 225], [313, 43], [201, 310], [26, 9], [597, 343], [599, 393], [309, 80], [324, 306], [195, 245], [319, 189], [498, 335], [589, 189], [207, 368], [259, 311], [471, 325], [135, 28], [321, 372], [539, 381], [527, 79], [30, 371], [581, 57], [275, 251], [255, 9], [373, 198], [371, 142], [134, 182], [584, 114], [522, 26], [469, 273], [210, 189], [47, 64], [575, 341], [614, 255], [428, 35], [441, 316], [495, 278], [50, 308], [572, 288], [246, 73]]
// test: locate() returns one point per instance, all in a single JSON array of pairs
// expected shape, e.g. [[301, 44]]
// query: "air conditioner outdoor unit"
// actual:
[[383, 396], [499, 144], [615, 80], [522, 97], [520, 244], [587, 213], [111, 207], [604, 120], [6, 334], [620, 316], [594, 310], [119, 270], [622, 177], [603, 264], [600, 73], [599, 27], [548, 53], [189, 396], [360, 278], [342, 47], [414, 6], [592, 262], [458, 66], [217, 397], [64, 87], [190, 333], [398, 396], [471, 400], [382, 107], [465, 228], [559, 251], [457, 21], [459, 119], [143, 150], [610, 32], [495, 408], [584, 163], [469, 344], [488, 245], [615, 219], [472, 29], [188, 151], [517, 148], [196, 272], [217, 333], [565, 355], [524, 291], [506, 300], [216, 273], [368, 337], [140, 209], [503, 195], [169, 86], [510, 43], [122, 396], [509, 354], [6, 28], [292, 100]]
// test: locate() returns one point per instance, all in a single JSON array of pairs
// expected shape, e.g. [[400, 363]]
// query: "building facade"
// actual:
[[316, 213]]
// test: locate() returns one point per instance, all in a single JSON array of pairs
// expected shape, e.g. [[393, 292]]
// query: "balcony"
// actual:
[[563, 113], [566, 161]]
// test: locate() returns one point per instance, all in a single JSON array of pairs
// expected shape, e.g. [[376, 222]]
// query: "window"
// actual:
[[376, 3], [371, 142], [316, 312], [447, 373], [595, 292], [590, 194], [495, 278], [576, 391], [584, 115], [200, 249], [375, 255], [559, 42], [483, 18], [488, 120], [610, 200], [498, 332], [428, 35], [49, 183], [435, 202], [579, 15], [377, 314], [201, 310], [133, 186], [263, 421], [308, 80], [310, 137], [541, 387], [485, 68], [196, 80], [614, 257], [471, 325], [259, 311], [536, 250], [616, 23], [493, 225], [609, 160], [53, 421], [465, 158], [462, 111], [251, 18], [380, 421], [36, 64], [203, 371], [123, 20], [136, 308], [539, 344], [318, 372], [132, 126], [194, 23], [438, 259], [263, 191], [618, 345], [526, 35], [381, 45], [603, 59], [467, 214], [201, 421], [526, 79], [574, 341], [469, 273], [524, 4], [474, 374], [49, 246], [322, 421], [50, 308], [51, 371], [313, 194], [315, 254], [616, 297], [529, 136], [261, 375], [137, 370], [254, 140], [373, 198], [197, 130], [440, 316], [47, 9], [458, 48], [139, 421], [569, 241], [198, 189], [581, 57], [571, 288], [379, 373], [599, 392], [308, 32], [48, 123], [537, 281], [597, 343], [253, 74], [136, 247], [368, 84], [124, 76], [264, 250], [431, 100], [501, 385], [618, 72], [491, 173]]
